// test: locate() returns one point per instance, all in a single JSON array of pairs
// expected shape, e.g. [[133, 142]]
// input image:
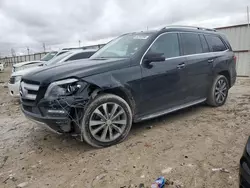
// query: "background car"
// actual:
[[14, 82], [1, 66], [245, 167], [35, 63]]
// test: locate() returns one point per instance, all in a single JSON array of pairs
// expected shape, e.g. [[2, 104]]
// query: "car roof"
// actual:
[[177, 28]]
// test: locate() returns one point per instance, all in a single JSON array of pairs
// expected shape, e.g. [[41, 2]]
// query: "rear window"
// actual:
[[191, 43], [215, 43]]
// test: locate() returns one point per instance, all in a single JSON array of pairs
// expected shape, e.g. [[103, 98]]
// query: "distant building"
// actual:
[[239, 37]]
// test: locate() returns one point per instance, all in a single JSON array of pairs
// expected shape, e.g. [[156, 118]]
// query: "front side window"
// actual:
[[215, 43], [123, 47], [49, 56], [166, 44], [58, 58], [191, 43]]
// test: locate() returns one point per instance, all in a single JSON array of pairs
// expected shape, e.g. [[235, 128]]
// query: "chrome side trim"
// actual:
[[179, 44], [171, 110], [44, 124]]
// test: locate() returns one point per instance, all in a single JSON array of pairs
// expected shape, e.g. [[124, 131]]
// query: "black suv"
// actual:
[[135, 77]]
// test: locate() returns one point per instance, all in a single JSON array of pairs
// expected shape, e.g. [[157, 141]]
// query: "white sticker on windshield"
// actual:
[[142, 37]]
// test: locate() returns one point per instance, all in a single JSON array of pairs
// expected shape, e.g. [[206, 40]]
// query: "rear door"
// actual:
[[198, 65], [163, 84]]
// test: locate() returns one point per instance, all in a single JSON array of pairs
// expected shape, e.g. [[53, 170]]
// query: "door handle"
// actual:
[[181, 66], [210, 61]]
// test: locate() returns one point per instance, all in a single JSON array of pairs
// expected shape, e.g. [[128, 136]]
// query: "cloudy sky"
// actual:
[[60, 23]]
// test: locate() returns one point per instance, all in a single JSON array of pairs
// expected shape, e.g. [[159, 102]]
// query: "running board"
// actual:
[[171, 110]]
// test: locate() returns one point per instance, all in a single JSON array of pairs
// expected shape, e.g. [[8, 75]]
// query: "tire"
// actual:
[[212, 98], [118, 128]]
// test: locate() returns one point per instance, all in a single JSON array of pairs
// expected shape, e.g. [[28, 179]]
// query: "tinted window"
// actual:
[[49, 56], [82, 55], [191, 43], [167, 44], [204, 44], [215, 43]]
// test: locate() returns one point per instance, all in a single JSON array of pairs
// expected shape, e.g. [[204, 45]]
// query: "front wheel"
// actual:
[[107, 121], [218, 92]]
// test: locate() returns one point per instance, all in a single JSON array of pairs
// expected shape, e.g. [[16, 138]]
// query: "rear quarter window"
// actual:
[[215, 43]]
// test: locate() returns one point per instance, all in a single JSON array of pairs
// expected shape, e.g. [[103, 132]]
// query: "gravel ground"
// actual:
[[184, 147]]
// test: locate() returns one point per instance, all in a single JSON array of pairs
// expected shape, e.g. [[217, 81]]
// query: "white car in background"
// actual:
[[1, 67], [28, 64], [14, 82]]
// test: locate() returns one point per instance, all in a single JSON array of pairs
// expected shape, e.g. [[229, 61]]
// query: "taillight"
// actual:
[[235, 59]]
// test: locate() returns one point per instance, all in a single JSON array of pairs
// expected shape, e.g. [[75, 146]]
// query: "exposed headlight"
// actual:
[[63, 88]]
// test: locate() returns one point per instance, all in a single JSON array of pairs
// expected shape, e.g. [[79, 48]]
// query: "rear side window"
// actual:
[[191, 43], [82, 55], [215, 43], [167, 44], [204, 44]]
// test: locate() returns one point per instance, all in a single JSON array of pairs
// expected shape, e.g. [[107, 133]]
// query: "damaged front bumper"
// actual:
[[60, 116]]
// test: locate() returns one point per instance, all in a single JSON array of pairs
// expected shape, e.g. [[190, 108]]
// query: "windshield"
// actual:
[[124, 46], [58, 58], [48, 56]]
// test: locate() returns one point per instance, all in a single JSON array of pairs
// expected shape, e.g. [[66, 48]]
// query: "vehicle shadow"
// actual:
[[171, 117], [45, 139]]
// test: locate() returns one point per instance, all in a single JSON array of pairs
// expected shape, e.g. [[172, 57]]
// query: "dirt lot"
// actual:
[[184, 147]]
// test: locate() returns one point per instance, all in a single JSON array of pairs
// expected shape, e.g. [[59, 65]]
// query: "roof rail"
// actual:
[[191, 27]]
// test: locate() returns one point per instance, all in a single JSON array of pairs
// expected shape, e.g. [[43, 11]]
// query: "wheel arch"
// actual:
[[227, 75], [122, 92]]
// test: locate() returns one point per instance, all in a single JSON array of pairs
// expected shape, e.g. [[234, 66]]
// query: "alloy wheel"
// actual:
[[221, 91], [107, 122]]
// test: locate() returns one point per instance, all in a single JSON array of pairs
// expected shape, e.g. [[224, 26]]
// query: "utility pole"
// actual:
[[13, 53], [248, 23], [79, 43], [44, 47], [28, 50]]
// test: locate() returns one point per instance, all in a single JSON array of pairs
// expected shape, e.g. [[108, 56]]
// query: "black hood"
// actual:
[[79, 69]]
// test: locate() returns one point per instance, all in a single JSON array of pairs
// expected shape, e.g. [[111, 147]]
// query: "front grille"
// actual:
[[12, 80], [29, 91]]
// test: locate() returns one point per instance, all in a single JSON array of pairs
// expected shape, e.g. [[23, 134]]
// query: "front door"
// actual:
[[163, 84]]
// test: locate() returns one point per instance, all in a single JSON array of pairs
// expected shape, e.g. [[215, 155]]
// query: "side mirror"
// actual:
[[154, 57]]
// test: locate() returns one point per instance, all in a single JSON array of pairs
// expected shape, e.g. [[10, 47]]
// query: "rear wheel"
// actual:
[[219, 91], [107, 121]]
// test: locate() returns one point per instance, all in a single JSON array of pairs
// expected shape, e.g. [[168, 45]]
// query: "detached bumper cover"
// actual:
[[60, 115], [53, 123]]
